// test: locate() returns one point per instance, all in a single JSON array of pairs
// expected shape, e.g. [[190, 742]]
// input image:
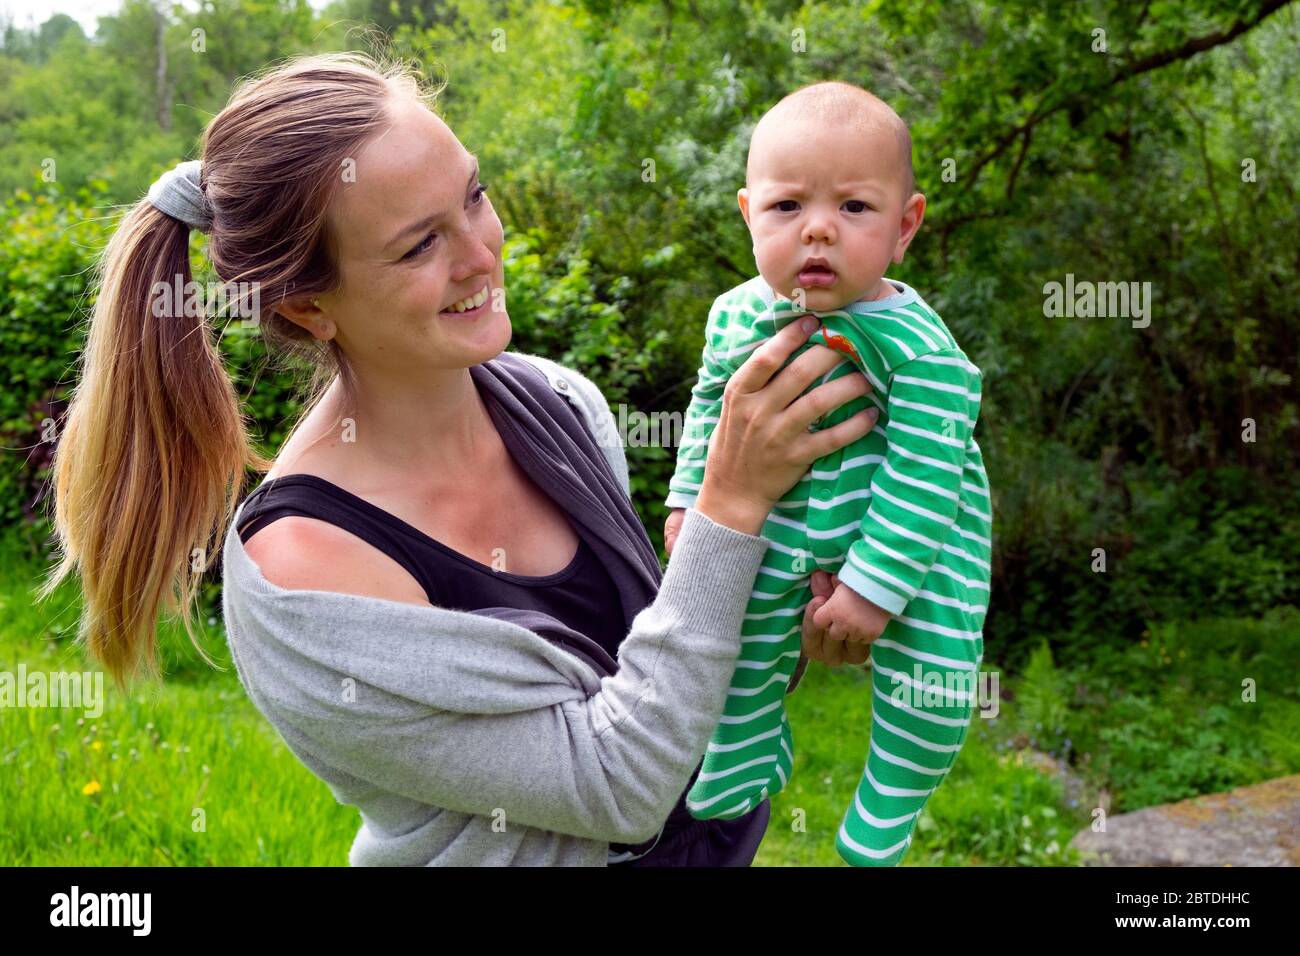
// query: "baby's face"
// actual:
[[828, 212]]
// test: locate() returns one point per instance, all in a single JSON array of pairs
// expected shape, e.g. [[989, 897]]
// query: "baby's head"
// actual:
[[829, 195]]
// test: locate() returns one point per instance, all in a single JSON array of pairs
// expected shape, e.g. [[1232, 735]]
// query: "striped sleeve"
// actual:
[[723, 354], [932, 408]]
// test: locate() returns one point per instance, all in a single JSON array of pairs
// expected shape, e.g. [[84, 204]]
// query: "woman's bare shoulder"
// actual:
[[300, 553]]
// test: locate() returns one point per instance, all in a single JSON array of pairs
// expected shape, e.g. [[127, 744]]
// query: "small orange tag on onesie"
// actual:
[[840, 344]]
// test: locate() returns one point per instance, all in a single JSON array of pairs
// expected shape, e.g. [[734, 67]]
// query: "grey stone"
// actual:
[[1258, 825]]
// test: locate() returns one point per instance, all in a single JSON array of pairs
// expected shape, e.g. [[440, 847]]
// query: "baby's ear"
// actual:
[[913, 213], [742, 200]]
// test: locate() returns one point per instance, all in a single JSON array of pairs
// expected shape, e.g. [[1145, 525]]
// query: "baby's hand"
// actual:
[[672, 526], [848, 616]]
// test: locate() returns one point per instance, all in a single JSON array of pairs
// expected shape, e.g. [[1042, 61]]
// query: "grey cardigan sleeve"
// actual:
[[611, 766]]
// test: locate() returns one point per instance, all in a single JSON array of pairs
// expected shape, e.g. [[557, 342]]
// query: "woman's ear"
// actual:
[[307, 312], [913, 213]]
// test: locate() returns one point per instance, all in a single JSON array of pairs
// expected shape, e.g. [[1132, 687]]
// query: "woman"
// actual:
[[427, 595]]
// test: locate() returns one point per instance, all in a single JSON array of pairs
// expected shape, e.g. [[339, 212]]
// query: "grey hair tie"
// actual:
[[177, 193]]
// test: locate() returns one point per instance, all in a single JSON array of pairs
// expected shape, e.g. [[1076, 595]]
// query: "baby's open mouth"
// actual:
[[816, 275]]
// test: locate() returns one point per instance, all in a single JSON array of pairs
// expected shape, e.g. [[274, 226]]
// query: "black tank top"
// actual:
[[582, 595]]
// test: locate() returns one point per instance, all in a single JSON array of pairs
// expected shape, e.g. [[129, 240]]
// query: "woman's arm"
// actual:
[[479, 716]]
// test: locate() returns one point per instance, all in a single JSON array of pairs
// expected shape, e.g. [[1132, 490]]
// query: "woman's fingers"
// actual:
[[856, 652], [765, 360], [832, 649], [813, 364], [814, 637], [831, 439], [822, 585], [814, 445], [825, 398], [760, 446]]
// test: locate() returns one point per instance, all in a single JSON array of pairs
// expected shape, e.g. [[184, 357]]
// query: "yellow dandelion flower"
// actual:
[[97, 745], [91, 788]]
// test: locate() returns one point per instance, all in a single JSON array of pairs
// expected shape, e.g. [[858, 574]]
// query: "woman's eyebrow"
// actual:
[[427, 221]]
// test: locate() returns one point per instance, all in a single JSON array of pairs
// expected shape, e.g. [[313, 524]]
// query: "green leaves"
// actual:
[[46, 251], [615, 135]]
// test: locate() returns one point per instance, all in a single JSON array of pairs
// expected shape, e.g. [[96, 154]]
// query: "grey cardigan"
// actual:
[[470, 740]]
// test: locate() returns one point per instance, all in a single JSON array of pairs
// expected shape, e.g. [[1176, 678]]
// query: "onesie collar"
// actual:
[[905, 295]]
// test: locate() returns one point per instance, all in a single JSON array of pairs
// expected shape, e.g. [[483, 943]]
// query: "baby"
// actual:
[[901, 516]]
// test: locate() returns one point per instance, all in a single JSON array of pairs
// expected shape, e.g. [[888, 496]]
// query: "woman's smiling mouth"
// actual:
[[470, 306]]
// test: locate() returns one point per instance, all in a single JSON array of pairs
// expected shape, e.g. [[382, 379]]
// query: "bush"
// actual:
[[574, 314], [47, 250], [1212, 544]]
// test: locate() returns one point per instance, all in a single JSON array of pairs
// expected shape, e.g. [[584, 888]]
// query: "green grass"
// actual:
[[155, 757], [1158, 719]]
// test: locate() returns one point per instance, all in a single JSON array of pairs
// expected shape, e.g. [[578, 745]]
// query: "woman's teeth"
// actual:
[[473, 302]]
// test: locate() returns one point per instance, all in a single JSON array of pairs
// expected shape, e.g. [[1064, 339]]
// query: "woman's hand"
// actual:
[[817, 641], [761, 446]]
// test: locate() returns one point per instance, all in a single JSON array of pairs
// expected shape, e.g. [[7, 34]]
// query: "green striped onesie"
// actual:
[[902, 515]]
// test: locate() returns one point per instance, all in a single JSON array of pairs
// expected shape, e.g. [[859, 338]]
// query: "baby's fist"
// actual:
[[848, 616]]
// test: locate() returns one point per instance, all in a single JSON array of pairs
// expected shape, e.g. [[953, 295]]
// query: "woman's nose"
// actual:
[[475, 257]]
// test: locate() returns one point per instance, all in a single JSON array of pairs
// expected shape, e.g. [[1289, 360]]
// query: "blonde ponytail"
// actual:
[[153, 453]]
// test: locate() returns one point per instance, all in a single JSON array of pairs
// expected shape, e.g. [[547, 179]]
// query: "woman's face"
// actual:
[[416, 236]]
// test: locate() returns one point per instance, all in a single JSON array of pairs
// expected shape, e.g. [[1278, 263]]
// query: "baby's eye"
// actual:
[[856, 205], [787, 205]]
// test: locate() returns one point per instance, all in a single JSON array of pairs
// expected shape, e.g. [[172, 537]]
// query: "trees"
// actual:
[[1114, 141]]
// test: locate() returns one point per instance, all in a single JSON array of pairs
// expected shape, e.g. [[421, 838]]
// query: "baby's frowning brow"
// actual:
[[837, 106], [775, 189], [874, 169]]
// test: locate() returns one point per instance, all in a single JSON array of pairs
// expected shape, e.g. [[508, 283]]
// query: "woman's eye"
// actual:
[[787, 205], [856, 205], [422, 247], [428, 240]]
